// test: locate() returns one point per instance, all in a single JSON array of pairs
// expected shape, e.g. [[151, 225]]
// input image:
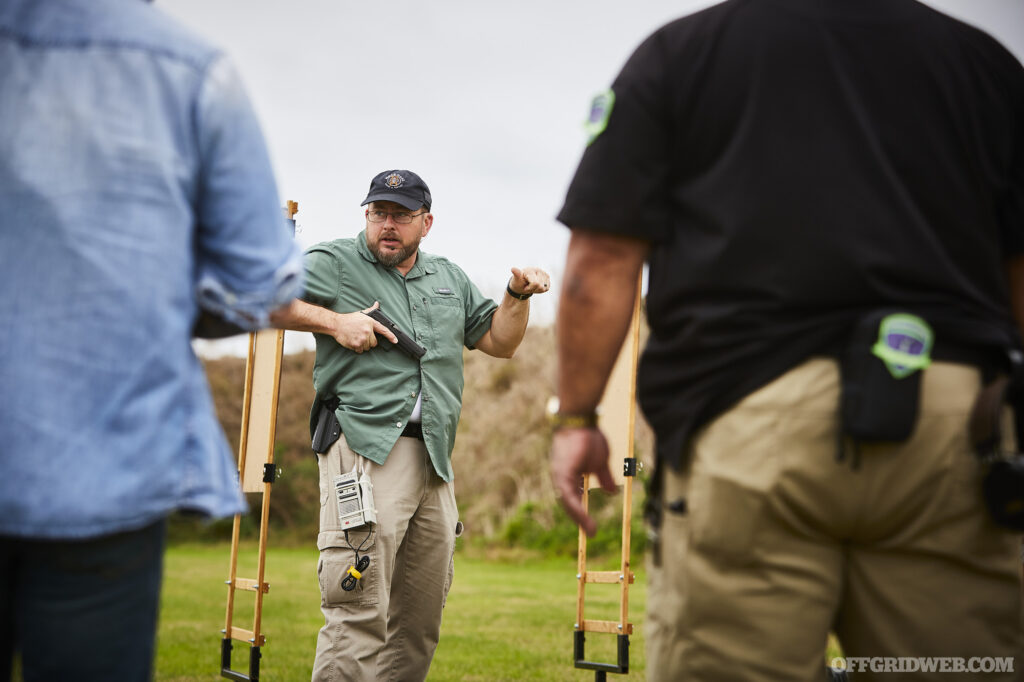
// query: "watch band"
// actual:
[[573, 421], [521, 297]]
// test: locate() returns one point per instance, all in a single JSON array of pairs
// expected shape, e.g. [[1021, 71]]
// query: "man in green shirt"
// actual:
[[397, 415]]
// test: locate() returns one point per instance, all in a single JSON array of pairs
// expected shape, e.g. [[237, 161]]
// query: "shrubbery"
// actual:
[[545, 528], [501, 457]]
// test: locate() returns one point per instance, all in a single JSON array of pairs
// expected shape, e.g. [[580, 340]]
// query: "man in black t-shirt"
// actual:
[[788, 169]]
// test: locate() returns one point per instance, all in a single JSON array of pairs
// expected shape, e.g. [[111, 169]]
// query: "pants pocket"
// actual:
[[333, 569], [724, 516]]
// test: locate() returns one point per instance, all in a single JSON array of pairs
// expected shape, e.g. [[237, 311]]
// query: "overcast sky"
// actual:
[[484, 99]]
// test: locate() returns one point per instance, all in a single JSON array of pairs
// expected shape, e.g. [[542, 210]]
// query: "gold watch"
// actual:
[[562, 420]]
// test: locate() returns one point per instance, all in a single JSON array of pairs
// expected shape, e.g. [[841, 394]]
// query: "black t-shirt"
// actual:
[[795, 164]]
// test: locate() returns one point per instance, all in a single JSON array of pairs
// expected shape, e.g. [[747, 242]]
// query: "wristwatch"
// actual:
[[516, 294], [563, 420]]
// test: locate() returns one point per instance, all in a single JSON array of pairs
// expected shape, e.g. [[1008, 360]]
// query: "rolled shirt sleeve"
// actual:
[[479, 311], [323, 277]]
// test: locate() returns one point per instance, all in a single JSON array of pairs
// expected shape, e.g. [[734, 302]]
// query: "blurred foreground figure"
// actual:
[[830, 196], [135, 189]]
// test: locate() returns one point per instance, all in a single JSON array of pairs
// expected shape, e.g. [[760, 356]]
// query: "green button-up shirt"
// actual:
[[437, 305]]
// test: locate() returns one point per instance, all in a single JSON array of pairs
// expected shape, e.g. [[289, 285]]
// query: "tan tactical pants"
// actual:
[[780, 543], [387, 627]]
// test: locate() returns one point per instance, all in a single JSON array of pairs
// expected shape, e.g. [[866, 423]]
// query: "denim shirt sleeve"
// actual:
[[248, 263]]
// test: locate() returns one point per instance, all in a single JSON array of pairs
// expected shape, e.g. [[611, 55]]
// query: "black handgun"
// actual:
[[405, 342]]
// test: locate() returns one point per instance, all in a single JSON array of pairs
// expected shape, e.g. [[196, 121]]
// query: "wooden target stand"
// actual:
[[256, 474], [618, 421]]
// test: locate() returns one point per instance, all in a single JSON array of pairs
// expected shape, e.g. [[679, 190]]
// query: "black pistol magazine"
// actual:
[[405, 342]]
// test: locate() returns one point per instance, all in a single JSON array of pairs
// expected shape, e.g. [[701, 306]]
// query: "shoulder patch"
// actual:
[[600, 111]]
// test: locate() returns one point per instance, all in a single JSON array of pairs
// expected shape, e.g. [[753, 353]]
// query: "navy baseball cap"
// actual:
[[400, 186]]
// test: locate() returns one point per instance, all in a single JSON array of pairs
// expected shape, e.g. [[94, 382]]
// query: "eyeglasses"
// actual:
[[400, 218]]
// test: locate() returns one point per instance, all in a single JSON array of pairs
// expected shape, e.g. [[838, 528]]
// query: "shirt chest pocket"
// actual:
[[447, 315]]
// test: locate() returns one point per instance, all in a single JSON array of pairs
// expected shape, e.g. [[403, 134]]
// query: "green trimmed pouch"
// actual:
[[881, 377]]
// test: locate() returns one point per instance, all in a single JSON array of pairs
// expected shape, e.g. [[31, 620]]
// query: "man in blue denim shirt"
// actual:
[[135, 190]]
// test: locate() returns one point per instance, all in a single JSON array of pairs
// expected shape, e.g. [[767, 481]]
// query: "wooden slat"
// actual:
[[246, 636], [251, 585], [606, 577], [609, 626]]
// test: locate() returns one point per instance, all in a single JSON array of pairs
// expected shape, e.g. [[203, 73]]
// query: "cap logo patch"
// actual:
[[394, 181]]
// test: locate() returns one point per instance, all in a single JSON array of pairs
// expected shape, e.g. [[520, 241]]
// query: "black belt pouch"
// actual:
[[877, 404], [327, 429]]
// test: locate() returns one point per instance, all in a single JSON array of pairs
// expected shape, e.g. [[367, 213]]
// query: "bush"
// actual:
[[547, 529], [502, 481]]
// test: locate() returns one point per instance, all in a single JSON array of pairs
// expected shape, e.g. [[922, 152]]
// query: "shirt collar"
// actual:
[[873, 11]]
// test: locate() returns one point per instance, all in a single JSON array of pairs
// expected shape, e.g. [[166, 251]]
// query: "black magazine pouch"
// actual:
[[881, 378]]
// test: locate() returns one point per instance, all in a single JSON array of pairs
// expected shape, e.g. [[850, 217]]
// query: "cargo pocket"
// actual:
[[448, 580], [451, 565], [336, 556]]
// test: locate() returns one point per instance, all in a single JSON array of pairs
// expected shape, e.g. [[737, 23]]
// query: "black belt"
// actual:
[[413, 430]]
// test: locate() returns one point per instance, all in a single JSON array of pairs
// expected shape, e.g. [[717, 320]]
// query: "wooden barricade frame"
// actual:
[[618, 416], [256, 473]]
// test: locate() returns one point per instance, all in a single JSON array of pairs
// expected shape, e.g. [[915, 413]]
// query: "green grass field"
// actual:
[[509, 620]]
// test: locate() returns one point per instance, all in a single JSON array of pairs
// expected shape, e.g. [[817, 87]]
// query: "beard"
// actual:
[[390, 259]]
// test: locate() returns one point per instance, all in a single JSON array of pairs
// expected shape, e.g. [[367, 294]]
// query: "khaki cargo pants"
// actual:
[[781, 543], [387, 627]]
